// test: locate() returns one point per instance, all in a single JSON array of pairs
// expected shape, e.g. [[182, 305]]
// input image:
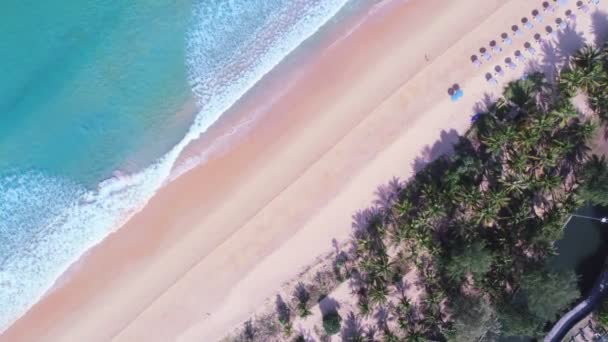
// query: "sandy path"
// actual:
[[211, 246]]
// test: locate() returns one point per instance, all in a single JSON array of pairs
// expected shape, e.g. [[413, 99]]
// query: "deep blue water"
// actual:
[[86, 84]]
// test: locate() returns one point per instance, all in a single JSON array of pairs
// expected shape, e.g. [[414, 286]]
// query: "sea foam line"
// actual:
[[87, 217]]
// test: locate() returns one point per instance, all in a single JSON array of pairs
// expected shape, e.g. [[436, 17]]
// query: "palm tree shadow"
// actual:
[[552, 60], [569, 41], [383, 317], [365, 220], [443, 146], [533, 66], [328, 305], [485, 104], [352, 328], [387, 195], [599, 27], [282, 309]]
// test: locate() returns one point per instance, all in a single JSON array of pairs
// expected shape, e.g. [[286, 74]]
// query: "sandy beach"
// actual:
[[218, 241]]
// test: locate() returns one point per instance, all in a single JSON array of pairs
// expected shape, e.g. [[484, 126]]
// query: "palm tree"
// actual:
[[515, 184], [378, 293], [400, 233], [587, 58], [403, 207], [585, 80], [384, 267], [415, 336], [585, 72]]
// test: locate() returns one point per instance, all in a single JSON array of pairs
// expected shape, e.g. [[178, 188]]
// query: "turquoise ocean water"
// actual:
[[89, 87]]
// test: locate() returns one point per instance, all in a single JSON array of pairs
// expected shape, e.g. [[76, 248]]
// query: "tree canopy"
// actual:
[[595, 181]]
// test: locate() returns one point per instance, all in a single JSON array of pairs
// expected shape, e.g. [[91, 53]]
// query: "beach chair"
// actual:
[[485, 54], [582, 7], [548, 7], [570, 16], [491, 80], [530, 49], [506, 39], [516, 31], [537, 16], [476, 62], [509, 63], [495, 47], [527, 24], [498, 71]]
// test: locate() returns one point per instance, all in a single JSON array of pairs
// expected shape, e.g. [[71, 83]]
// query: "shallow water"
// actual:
[[89, 87]]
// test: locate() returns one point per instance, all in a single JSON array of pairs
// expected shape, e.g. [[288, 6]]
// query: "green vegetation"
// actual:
[[475, 260], [331, 323], [602, 315], [302, 297], [547, 294], [477, 226], [284, 315], [474, 318], [595, 185], [480, 224]]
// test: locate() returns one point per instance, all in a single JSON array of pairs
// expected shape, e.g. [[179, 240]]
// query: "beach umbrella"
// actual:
[[537, 16], [506, 39], [516, 31]]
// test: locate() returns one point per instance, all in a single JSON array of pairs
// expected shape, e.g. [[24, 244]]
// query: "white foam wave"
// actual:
[[54, 222]]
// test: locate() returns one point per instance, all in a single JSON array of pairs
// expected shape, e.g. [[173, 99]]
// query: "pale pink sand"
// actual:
[[218, 241]]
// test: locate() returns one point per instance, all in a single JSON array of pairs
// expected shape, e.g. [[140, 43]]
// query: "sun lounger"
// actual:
[[547, 7], [509, 63], [531, 51], [495, 47], [538, 17], [498, 71], [527, 24], [582, 6], [570, 17]]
